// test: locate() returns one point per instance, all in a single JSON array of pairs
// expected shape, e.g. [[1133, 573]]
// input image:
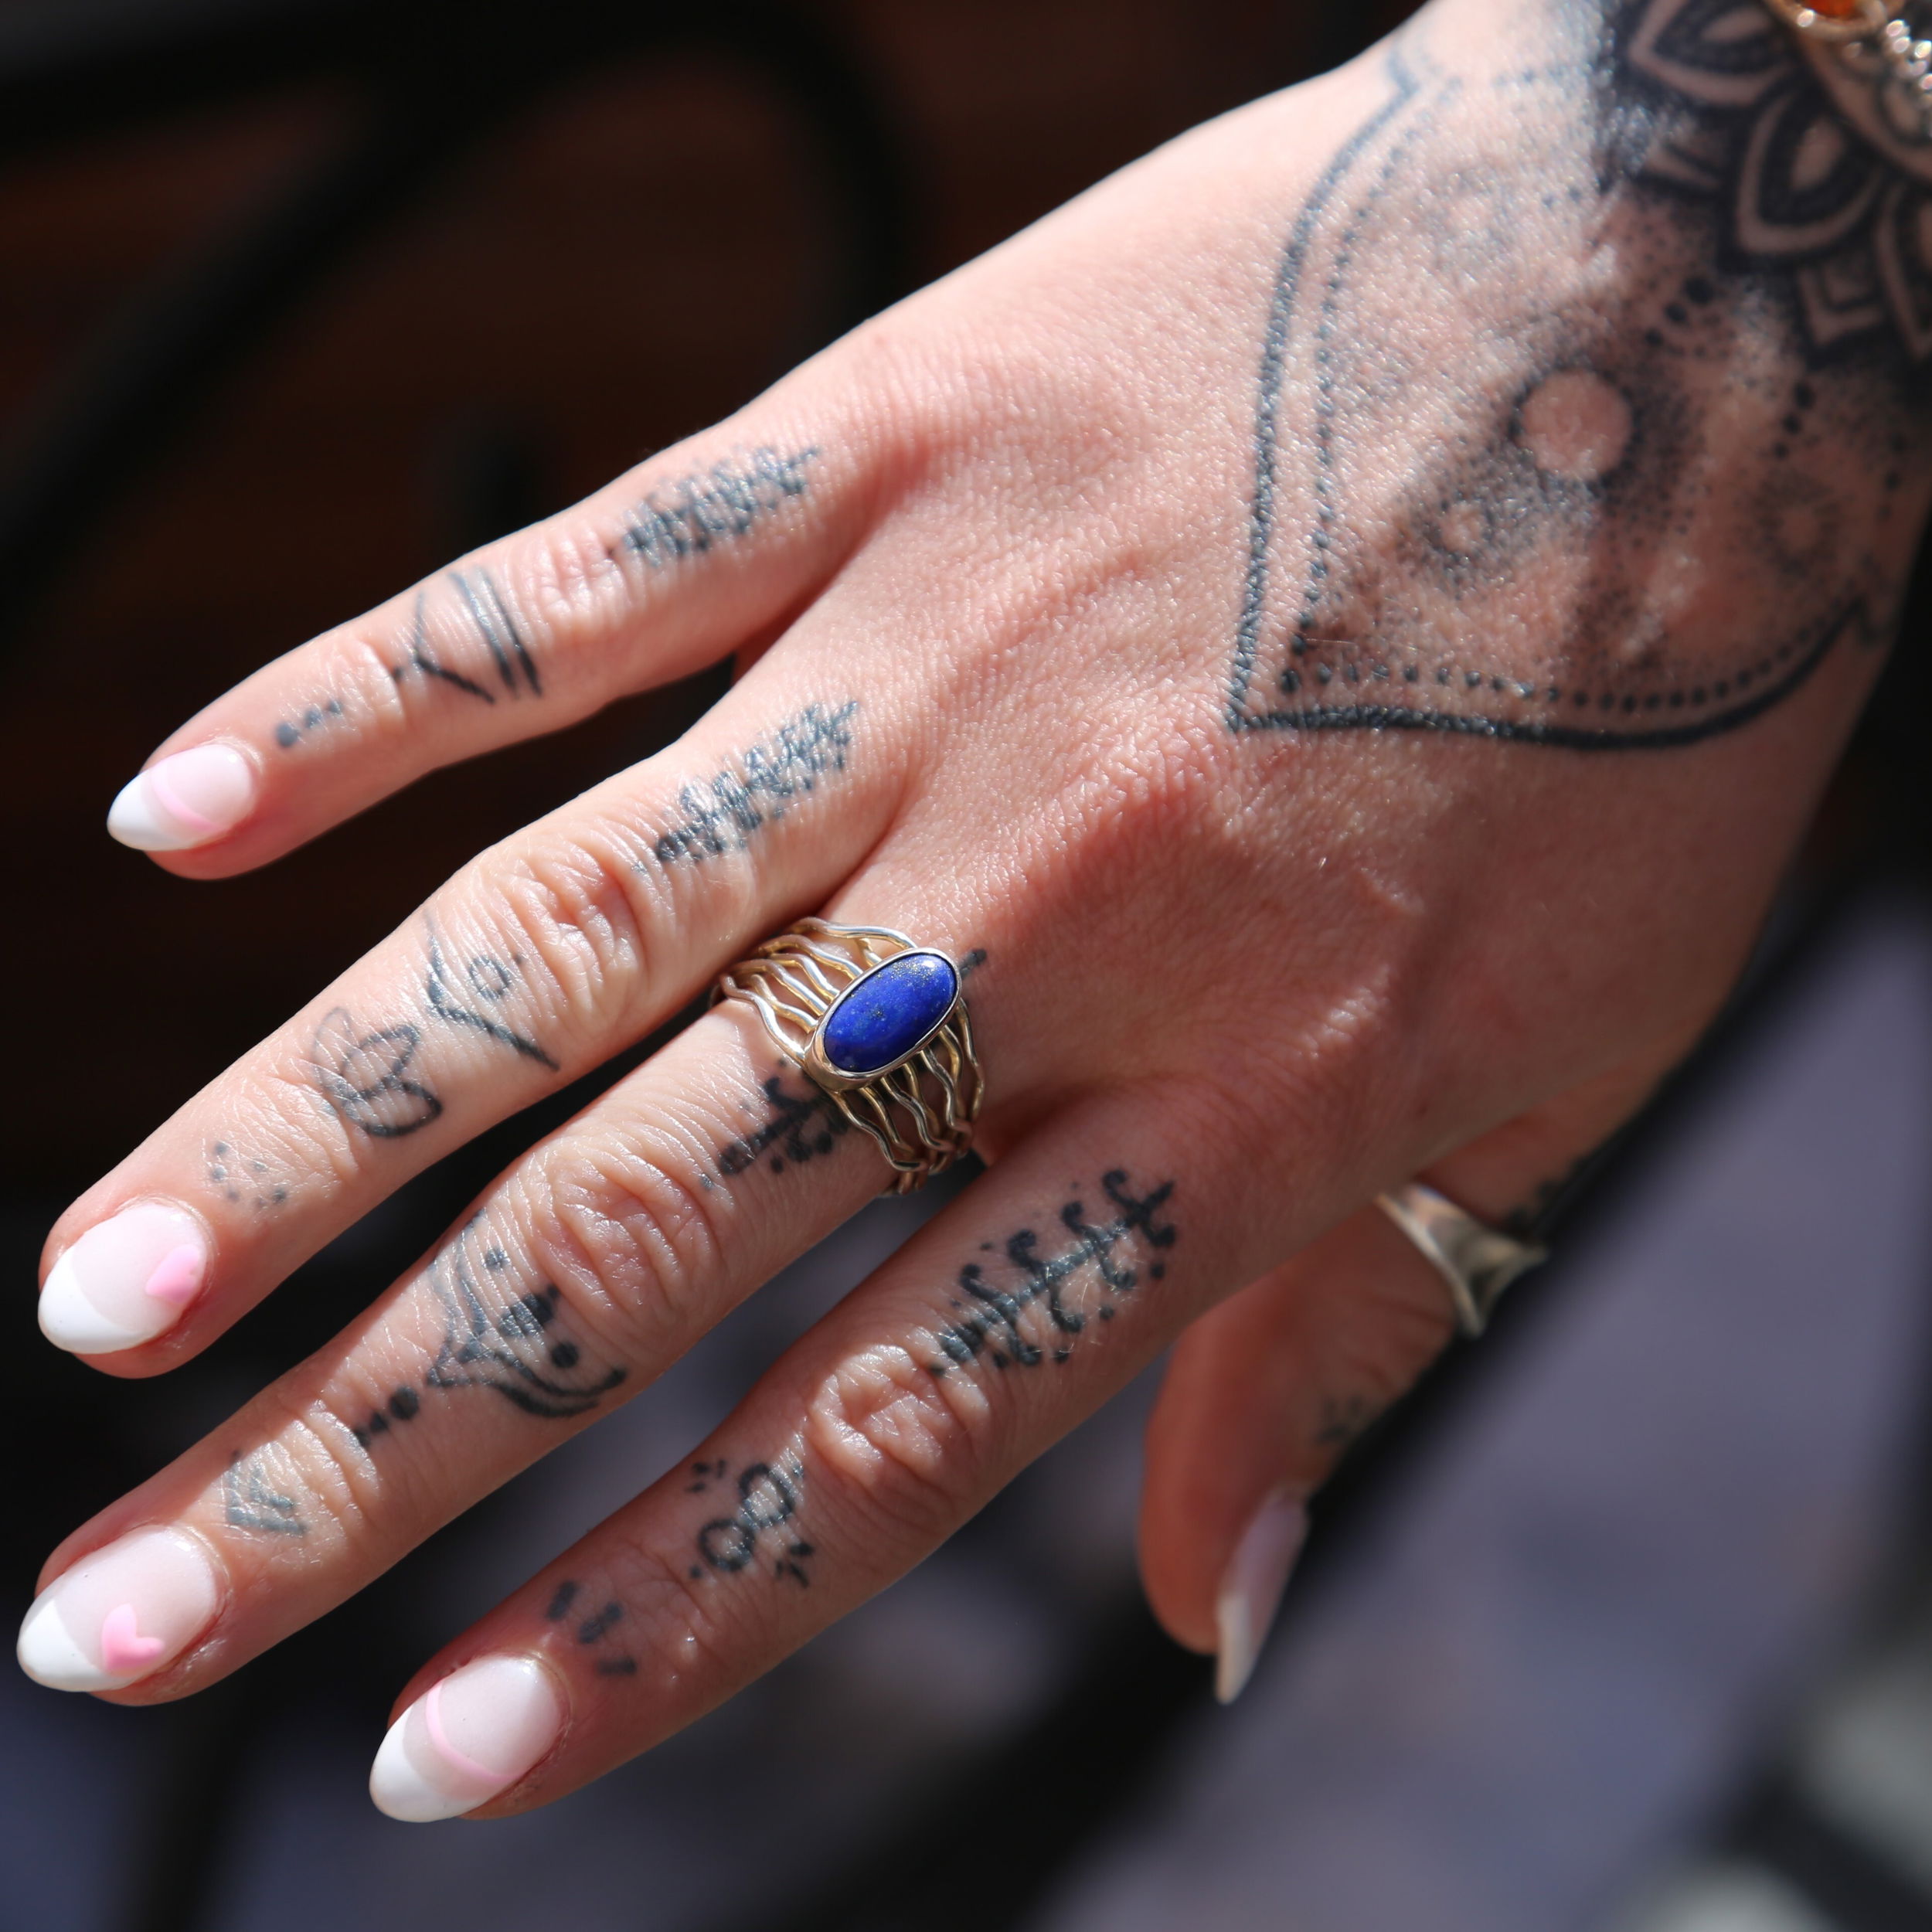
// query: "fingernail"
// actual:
[[186, 800], [465, 1739], [119, 1615], [124, 1281], [1251, 1590]]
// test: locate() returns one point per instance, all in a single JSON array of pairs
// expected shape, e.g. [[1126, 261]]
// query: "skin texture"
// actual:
[[1348, 618]]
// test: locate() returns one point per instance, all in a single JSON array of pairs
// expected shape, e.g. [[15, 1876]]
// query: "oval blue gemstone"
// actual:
[[889, 1011]]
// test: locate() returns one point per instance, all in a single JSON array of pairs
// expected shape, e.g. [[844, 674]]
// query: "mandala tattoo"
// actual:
[[1666, 365]]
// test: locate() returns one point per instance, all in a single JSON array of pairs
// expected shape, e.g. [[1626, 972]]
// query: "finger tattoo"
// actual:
[[997, 1301], [689, 516], [364, 1077], [486, 980]]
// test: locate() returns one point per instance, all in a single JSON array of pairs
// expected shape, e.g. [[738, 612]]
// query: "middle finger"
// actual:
[[584, 1271], [540, 959]]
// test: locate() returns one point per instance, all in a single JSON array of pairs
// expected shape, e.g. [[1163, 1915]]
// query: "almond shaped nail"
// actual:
[[467, 1737], [120, 1614], [126, 1281], [1257, 1573], [191, 798]]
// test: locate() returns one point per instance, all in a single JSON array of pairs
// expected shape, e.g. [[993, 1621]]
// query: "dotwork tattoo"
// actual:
[[803, 1127], [592, 1630], [234, 1178], [364, 1076], [484, 982], [1679, 296], [690, 516], [290, 733], [994, 1312], [759, 1531], [513, 1341], [249, 1501], [720, 815]]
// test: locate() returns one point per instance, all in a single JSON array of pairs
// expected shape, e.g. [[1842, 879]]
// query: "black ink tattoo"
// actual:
[[424, 660], [972, 962], [1585, 446], [288, 734], [230, 1176], [1343, 1422], [491, 615], [593, 1629], [487, 980], [719, 504], [364, 1077], [250, 1502], [404, 1405], [721, 813], [494, 1337], [996, 1322], [804, 1127], [762, 1525]]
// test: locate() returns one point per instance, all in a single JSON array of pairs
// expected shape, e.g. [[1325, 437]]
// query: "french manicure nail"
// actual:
[[125, 1280], [1251, 1590], [117, 1616], [186, 800], [471, 1735]]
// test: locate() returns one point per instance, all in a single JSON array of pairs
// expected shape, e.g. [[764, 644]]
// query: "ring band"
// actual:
[[880, 1024], [1478, 1261]]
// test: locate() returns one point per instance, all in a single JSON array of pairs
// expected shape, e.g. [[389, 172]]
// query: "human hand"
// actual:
[[1381, 774]]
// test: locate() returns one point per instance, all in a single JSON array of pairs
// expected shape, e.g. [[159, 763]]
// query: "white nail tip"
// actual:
[[120, 1614], [186, 800], [69, 1321], [466, 1739], [126, 1281], [49, 1655], [1251, 1592]]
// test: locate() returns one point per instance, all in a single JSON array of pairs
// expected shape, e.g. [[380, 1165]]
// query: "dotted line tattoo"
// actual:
[[591, 1630], [1764, 226]]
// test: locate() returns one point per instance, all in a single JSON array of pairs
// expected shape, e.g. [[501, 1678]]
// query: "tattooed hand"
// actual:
[[1351, 616]]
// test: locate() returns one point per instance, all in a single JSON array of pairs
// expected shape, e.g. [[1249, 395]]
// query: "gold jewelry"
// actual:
[[1478, 1261], [880, 1024]]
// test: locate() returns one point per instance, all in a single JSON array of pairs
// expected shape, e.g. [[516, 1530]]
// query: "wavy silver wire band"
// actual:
[[1479, 1262], [920, 1109]]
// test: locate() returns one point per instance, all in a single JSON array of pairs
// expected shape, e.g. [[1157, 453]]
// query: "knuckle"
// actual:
[[578, 915], [909, 1445], [635, 1231]]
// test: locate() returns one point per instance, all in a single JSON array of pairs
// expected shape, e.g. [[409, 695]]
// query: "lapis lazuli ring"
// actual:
[[879, 1024]]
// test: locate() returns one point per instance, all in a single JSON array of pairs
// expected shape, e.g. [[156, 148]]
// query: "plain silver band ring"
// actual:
[[1479, 1262]]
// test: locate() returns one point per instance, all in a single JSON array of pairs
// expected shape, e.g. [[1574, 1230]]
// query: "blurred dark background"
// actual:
[[298, 297]]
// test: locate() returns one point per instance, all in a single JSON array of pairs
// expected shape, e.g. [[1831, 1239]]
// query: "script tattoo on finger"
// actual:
[[251, 1500], [803, 1127], [1679, 285], [720, 814], [997, 1301], [364, 1076], [502, 1335], [485, 981], [694, 513], [760, 1533], [592, 1630]]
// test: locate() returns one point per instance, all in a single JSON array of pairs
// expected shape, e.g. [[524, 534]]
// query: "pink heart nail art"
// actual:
[[177, 1280], [123, 1650]]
